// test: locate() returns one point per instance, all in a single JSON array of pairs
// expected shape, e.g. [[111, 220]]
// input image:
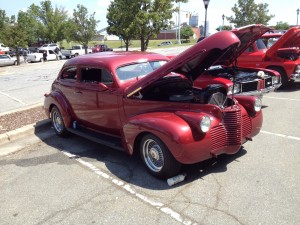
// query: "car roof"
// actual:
[[113, 60]]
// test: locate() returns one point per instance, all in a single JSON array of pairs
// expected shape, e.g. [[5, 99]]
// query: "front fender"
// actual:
[[173, 130], [57, 99]]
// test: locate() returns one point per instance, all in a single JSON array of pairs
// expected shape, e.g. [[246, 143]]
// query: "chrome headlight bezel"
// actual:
[[205, 124], [275, 79], [257, 104], [297, 70], [236, 89]]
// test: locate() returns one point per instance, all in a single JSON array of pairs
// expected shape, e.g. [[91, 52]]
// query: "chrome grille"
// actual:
[[247, 127], [229, 132], [249, 86]]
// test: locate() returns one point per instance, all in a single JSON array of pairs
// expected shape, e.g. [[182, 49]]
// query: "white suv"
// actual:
[[52, 47]]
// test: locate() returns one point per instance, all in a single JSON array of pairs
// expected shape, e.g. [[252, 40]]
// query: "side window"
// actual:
[[106, 77], [95, 75], [90, 75], [51, 52], [69, 73], [250, 49]]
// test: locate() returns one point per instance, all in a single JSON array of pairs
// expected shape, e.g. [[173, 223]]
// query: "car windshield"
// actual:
[[138, 69], [45, 45]]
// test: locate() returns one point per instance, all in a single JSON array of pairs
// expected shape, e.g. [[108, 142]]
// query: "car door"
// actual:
[[51, 55], [97, 104]]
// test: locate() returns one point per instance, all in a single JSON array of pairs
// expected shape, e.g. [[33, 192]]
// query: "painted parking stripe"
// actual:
[[13, 98], [158, 205], [281, 135], [290, 99]]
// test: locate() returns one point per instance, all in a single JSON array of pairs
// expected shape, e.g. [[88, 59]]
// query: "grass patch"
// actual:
[[134, 44]]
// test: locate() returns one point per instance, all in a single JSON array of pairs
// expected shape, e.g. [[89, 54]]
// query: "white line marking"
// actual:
[[158, 205], [281, 135], [291, 99], [17, 100]]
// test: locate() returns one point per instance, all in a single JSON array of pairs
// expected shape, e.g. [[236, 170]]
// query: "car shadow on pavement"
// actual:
[[130, 168], [290, 87]]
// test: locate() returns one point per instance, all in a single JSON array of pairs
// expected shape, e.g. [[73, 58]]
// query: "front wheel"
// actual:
[[157, 157], [57, 122]]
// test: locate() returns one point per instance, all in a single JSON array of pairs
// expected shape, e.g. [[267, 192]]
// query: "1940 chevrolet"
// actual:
[[136, 101]]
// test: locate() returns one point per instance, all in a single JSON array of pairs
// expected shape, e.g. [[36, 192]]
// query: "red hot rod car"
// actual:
[[241, 80], [140, 102], [282, 55]]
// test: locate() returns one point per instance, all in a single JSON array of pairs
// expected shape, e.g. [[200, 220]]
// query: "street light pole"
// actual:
[[297, 14], [206, 2], [179, 41], [223, 17]]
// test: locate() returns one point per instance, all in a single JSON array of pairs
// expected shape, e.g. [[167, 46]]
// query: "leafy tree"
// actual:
[[50, 23], [225, 27], [120, 21], [143, 19], [248, 12], [282, 26], [82, 27], [186, 32], [4, 20]]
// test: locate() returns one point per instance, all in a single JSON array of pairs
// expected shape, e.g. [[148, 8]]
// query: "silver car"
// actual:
[[6, 60]]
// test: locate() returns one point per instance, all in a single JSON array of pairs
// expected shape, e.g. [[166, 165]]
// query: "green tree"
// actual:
[[4, 21], [146, 20], [50, 23], [120, 22], [82, 27], [225, 27], [282, 26], [248, 12], [186, 32]]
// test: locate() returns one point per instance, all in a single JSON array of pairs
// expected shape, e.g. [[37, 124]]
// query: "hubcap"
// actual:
[[57, 121], [153, 155]]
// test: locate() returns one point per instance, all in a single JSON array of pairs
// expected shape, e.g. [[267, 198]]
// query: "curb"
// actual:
[[23, 131]]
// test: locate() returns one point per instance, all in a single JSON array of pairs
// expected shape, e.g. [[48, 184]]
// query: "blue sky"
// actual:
[[282, 11]]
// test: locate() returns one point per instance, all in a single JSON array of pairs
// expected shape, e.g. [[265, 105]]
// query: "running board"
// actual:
[[103, 139]]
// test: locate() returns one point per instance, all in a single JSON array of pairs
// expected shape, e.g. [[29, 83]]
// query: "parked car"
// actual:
[[75, 51], [101, 48], [4, 48], [240, 80], [6, 60], [139, 102], [51, 46], [38, 56], [278, 57], [165, 43]]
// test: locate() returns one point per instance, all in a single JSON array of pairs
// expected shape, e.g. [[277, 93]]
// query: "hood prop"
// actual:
[[234, 67]]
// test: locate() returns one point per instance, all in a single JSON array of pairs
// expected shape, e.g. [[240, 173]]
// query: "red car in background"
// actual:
[[238, 79], [101, 48], [281, 56], [140, 102]]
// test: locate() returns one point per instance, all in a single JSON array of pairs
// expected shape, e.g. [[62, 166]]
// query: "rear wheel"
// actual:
[[157, 157], [76, 54], [58, 122]]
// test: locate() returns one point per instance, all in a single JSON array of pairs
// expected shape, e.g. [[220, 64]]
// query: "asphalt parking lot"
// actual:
[[52, 180]]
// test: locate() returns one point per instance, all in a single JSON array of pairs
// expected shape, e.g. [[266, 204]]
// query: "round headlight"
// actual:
[[205, 124], [257, 105]]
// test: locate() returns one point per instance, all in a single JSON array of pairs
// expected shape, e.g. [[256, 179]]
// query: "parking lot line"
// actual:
[[15, 99], [158, 205], [281, 135], [291, 99]]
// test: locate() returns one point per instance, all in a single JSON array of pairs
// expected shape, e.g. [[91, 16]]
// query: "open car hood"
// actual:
[[247, 35], [193, 61], [289, 39]]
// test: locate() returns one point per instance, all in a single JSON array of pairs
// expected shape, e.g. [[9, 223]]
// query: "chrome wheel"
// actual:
[[153, 155], [57, 122]]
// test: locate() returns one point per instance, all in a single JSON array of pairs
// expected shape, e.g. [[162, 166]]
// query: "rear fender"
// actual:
[[55, 98]]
